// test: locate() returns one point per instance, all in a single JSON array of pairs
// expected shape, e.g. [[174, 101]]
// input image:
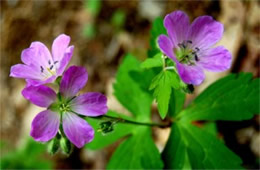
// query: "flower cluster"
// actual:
[[189, 46], [63, 110]]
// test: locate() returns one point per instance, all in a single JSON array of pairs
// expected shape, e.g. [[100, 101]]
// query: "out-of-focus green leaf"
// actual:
[[118, 18], [89, 30], [29, 156], [203, 149], [129, 93], [137, 152], [93, 6], [157, 29], [156, 61], [234, 97], [162, 85]]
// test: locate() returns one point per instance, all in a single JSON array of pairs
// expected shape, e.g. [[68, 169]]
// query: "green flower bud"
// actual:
[[106, 127], [65, 145], [53, 146]]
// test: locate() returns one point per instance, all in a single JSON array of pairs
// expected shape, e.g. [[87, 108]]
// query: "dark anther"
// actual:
[[196, 57], [189, 41], [55, 62], [42, 69], [51, 66], [49, 62], [181, 45], [197, 49]]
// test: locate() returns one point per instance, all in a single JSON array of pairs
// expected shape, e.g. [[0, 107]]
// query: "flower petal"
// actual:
[[34, 82], [216, 59], [65, 60], [205, 32], [42, 96], [90, 104], [190, 74], [45, 126], [177, 25], [166, 46], [24, 71], [78, 131], [59, 47], [42, 54], [74, 79]]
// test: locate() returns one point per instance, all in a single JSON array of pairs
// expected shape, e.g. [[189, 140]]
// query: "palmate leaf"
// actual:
[[138, 149], [203, 150], [129, 93], [234, 97], [162, 85], [137, 152]]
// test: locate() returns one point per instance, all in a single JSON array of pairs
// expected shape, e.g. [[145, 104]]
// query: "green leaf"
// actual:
[[162, 85], [156, 61], [176, 102], [174, 152], [157, 29], [203, 149], [120, 130], [28, 156], [93, 6], [137, 152], [129, 93], [234, 97]]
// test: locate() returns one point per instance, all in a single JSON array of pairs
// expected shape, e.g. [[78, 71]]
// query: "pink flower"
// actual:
[[40, 66], [65, 108], [189, 46]]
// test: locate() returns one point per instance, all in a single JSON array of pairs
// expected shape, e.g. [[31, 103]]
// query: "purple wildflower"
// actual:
[[65, 108], [40, 66], [189, 46]]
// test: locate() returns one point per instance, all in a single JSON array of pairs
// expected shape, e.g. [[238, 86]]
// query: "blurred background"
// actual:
[[102, 33]]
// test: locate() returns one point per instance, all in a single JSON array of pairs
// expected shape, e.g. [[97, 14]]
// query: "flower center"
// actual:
[[50, 70], [64, 108], [185, 54]]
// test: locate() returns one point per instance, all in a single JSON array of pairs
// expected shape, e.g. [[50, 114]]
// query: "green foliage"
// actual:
[[89, 30], [93, 6], [118, 19], [29, 156], [176, 102], [162, 85], [234, 97], [157, 29], [129, 93], [156, 61], [136, 152], [203, 149]]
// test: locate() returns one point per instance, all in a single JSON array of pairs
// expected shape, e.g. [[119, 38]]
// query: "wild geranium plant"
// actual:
[[179, 52]]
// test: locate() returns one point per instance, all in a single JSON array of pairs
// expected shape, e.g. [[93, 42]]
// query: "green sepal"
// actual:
[[66, 146], [54, 145]]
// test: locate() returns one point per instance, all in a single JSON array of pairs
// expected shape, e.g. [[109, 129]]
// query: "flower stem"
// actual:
[[138, 123]]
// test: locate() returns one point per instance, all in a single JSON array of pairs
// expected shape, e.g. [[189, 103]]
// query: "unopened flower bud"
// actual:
[[53, 146], [65, 145], [106, 127]]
